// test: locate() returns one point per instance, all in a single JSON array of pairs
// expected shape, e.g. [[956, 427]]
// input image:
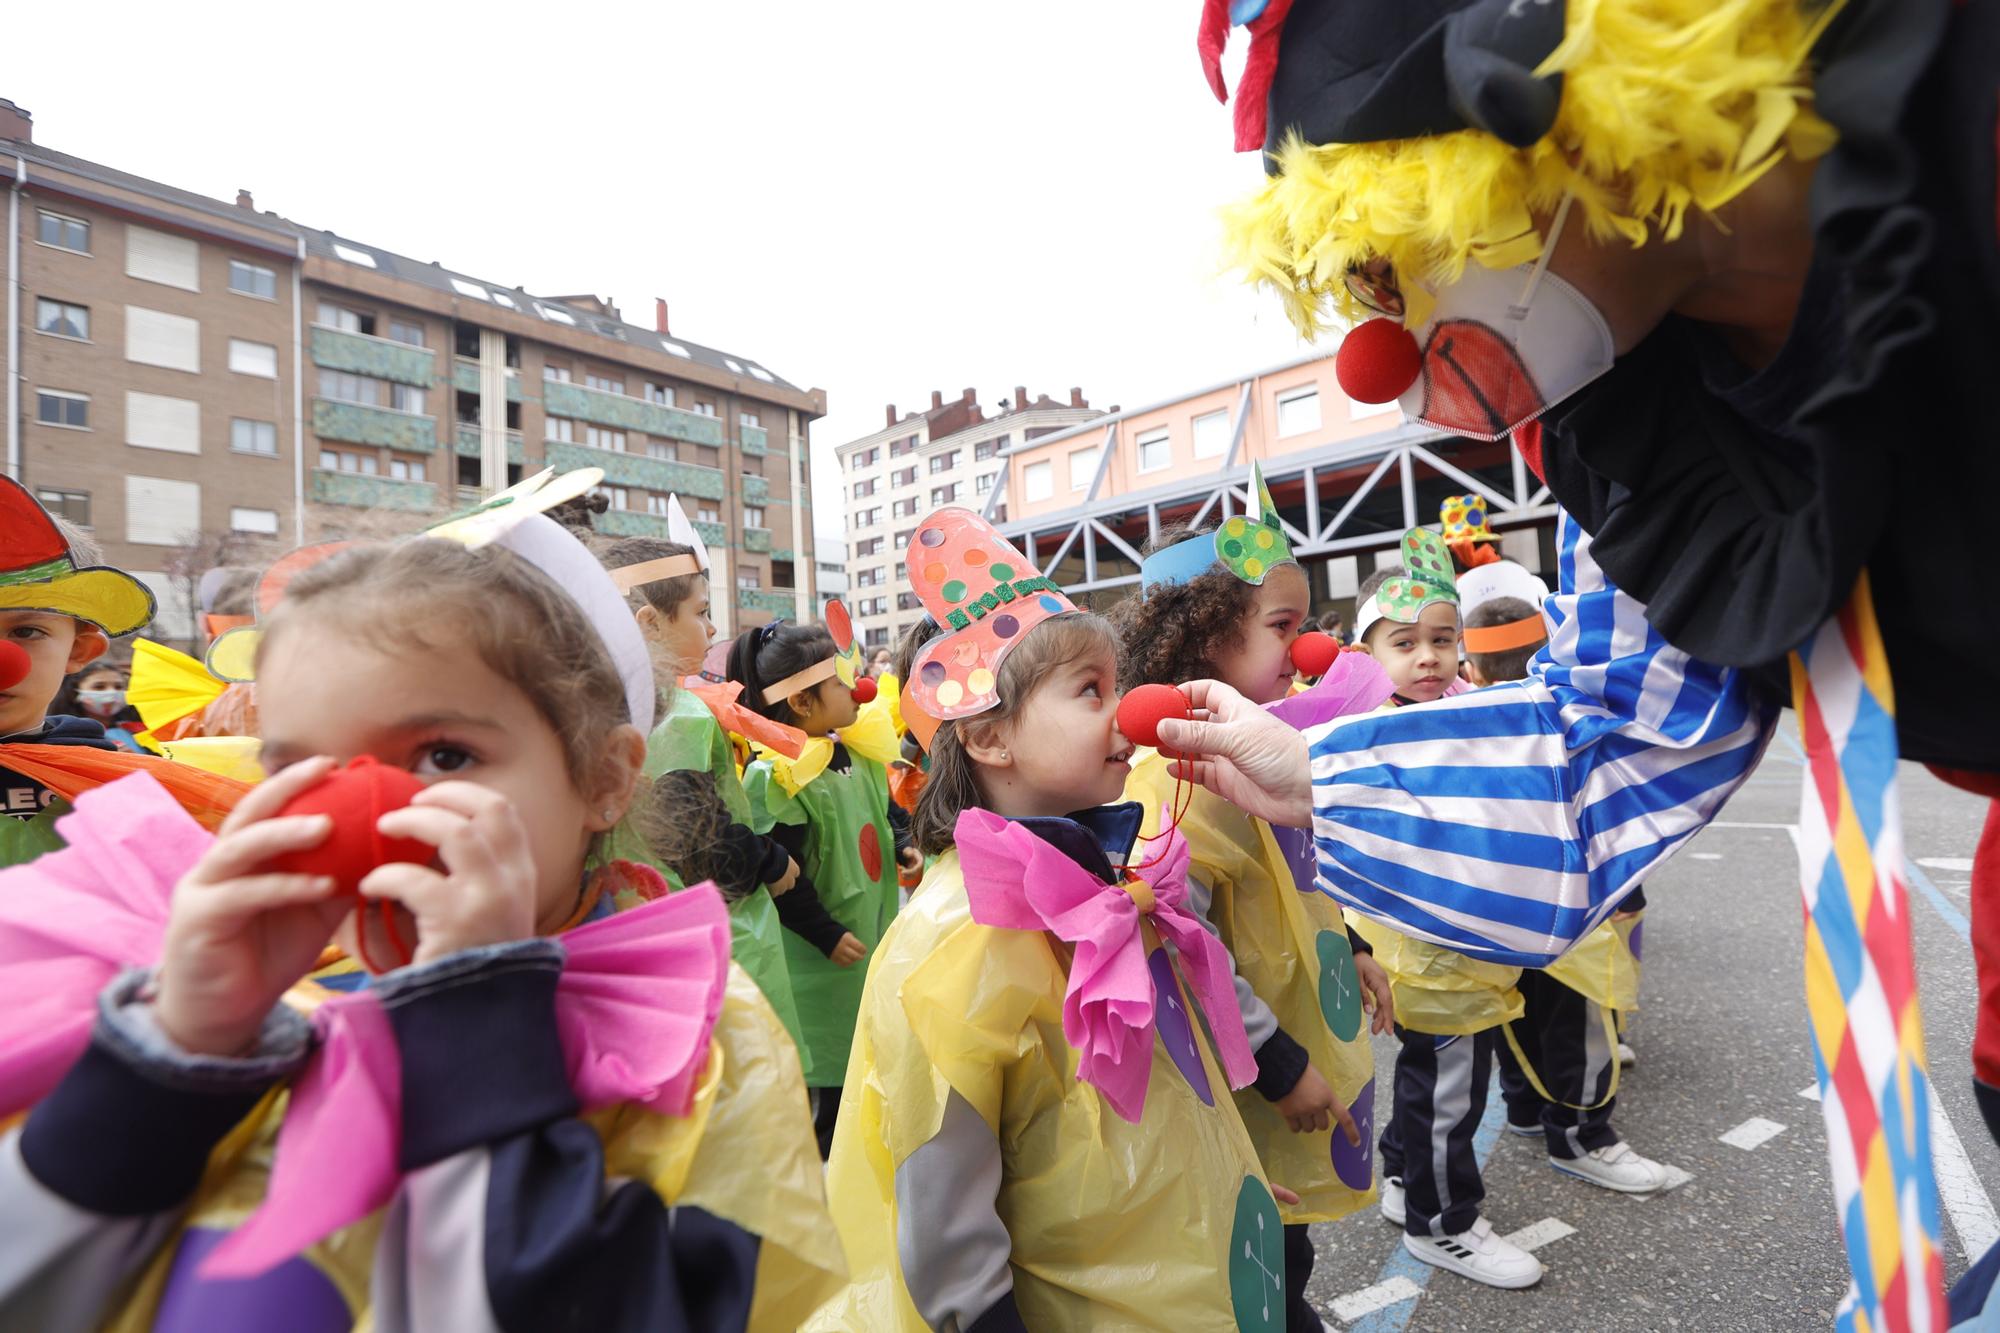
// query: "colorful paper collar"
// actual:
[[1426, 581], [845, 663], [37, 573], [1250, 548], [987, 596]]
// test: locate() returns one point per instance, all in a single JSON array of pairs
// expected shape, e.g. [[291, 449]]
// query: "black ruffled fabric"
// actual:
[[1742, 507]]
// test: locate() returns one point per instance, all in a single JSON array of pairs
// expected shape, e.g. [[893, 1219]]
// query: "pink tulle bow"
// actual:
[[1355, 683], [1016, 881]]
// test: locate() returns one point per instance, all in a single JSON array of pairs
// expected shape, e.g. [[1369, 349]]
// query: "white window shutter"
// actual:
[[158, 256], [155, 338], [161, 512], [153, 421]]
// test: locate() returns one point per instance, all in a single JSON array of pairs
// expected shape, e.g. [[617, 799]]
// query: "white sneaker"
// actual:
[[1480, 1255], [1524, 1131], [1627, 1057], [1392, 1199], [1615, 1168]]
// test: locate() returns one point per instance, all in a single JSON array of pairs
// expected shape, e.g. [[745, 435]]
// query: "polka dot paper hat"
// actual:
[[1426, 581], [987, 596], [1464, 519], [1249, 547]]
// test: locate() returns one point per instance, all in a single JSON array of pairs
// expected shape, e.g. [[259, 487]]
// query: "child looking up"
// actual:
[[510, 680], [1300, 977], [1003, 1159]]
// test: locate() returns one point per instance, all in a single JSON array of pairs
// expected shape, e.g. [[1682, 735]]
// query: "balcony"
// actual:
[[784, 553], [382, 358], [351, 488], [756, 490], [715, 534], [631, 523], [616, 409], [753, 440], [775, 601], [465, 443], [359, 424], [757, 540], [655, 474], [465, 378]]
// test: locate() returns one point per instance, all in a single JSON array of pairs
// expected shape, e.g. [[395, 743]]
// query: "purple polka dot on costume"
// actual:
[[1005, 627], [1354, 1163], [954, 590], [1636, 941], [931, 536], [933, 674], [1052, 605], [1170, 1017]]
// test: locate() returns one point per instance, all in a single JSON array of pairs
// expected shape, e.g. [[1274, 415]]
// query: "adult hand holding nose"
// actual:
[[1254, 761]]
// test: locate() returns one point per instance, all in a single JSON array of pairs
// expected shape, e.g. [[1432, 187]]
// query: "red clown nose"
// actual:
[[1142, 710], [15, 664], [355, 797], [1313, 653], [1377, 362], [864, 690]]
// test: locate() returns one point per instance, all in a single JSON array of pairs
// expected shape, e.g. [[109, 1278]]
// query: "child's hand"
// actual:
[[1311, 1106], [237, 939], [1376, 994], [486, 892], [1283, 1195], [910, 859], [849, 951], [783, 883]]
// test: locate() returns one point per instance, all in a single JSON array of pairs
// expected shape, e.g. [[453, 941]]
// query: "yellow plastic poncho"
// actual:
[[1292, 950], [1440, 990], [1166, 1224], [1605, 971]]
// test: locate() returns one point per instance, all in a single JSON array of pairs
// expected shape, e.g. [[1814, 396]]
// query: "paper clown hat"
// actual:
[[1248, 547], [233, 654], [1426, 580], [37, 574], [1464, 519], [986, 596], [845, 663], [628, 577]]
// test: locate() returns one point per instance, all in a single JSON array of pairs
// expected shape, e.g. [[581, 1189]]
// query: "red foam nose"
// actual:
[[1143, 708], [15, 664], [1313, 653], [1377, 362], [355, 797], [864, 690]]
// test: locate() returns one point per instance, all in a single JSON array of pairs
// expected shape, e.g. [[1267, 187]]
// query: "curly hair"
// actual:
[[1174, 632]]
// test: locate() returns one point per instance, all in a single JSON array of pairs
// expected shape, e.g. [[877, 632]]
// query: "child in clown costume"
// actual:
[[1228, 604], [1035, 1133], [828, 807]]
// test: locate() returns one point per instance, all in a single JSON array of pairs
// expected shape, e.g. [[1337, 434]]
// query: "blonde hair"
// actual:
[[953, 782]]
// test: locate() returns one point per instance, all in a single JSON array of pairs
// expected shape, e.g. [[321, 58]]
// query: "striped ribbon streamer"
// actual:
[[1861, 991]]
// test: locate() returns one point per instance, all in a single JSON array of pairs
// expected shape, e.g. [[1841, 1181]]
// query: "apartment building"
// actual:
[[194, 379], [951, 454]]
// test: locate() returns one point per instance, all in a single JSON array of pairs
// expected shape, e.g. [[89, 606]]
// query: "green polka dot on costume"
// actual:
[[954, 590], [1257, 1261], [1002, 571], [1232, 548]]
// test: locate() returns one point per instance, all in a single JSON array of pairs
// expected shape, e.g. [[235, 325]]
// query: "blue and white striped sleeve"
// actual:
[[1507, 822]]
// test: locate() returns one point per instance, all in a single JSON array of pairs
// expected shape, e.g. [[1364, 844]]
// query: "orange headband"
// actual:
[[802, 680], [1499, 638], [628, 577]]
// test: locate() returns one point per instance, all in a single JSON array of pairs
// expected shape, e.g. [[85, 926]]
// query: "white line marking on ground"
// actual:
[[1810, 1092], [1964, 1198], [1724, 823], [1753, 1133], [1360, 1304], [1962, 864], [1706, 856], [1544, 1232], [1675, 1179]]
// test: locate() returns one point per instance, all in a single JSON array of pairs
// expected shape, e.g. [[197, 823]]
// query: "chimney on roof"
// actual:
[[967, 397], [243, 200], [1020, 397], [660, 315], [892, 414], [937, 400], [1076, 399], [16, 122]]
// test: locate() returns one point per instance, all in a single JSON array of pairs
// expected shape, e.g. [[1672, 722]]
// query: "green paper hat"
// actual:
[[1426, 580], [1250, 548]]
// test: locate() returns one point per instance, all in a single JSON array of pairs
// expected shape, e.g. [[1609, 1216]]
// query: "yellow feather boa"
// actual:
[[1666, 105]]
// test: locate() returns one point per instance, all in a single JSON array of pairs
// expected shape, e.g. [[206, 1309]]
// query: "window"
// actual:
[[944, 495], [908, 601], [407, 331], [346, 320], [346, 387], [868, 578], [408, 469], [618, 496], [987, 448], [662, 449], [904, 508], [253, 437], [61, 318], [897, 448], [158, 256], [405, 398], [1155, 450], [748, 576], [753, 516], [53, 407], [604, 382], [752, 419], [248, 358], [560, 374], [64, 233], [1039, 480], [602, 437], [252, 280], [868, 518], [1082, 468], [707, 455], [864, 487], [339, 460], [867, 457], [902, 540], [560, 429], [71, 505], [160, 512], [873, 546], [702, 409], [904, 477], [944, 462], [663, 394], [753, 466], [1298, 411], [983, 483], [155, 338], [153, 421], [1211, 435], [706, 512], [263, 522]]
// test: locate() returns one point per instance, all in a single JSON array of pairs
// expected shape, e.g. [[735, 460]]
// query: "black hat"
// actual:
[[1359, 71]]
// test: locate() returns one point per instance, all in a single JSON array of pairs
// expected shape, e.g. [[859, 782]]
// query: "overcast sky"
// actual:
[[878, 200]]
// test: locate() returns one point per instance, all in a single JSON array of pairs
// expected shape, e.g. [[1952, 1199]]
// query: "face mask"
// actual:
[[103, 701]]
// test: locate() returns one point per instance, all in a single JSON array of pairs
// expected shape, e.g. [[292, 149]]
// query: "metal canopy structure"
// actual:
[[1354, 496]]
